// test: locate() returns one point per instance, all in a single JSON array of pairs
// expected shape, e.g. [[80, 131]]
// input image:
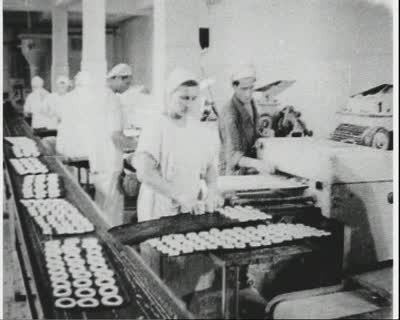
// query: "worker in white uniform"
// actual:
[[176, 161], [54, 103], [106, 143], [119, 80], [74, 116], [173, 153], [34, 104], [136, 103]]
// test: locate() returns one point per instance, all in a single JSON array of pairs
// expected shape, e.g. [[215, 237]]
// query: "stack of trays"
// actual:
[[42, 186], [25, 166], [233, 238], [243, 214], [23, 147], [80, 275], [57, 217]]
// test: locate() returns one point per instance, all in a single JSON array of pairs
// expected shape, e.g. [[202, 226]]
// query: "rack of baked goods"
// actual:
[[227, 217], [237, 238], [41, 186], [24, 166], [57, 217], [81, 275], [23, 147]]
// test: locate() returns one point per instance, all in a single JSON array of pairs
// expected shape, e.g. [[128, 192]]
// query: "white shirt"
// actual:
[[53, 104], [137, 107], [182, 154], [35, 104]]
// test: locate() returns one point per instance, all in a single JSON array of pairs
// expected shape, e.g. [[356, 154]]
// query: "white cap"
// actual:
[[242, 71], [177, 77], [37, 82], [120, 70]]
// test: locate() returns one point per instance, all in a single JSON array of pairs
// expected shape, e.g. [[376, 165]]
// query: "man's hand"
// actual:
[[187, 204], [213, 201], [263, 167]]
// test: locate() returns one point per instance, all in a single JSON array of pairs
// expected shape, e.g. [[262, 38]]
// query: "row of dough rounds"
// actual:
[[233, 238], [25, 166], [244, 214], [57, 217], [23, 147], [42, 186], [80, 275]]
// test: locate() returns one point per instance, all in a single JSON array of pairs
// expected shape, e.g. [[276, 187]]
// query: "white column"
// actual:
[[59, 65], [94, 40], [159, 51]]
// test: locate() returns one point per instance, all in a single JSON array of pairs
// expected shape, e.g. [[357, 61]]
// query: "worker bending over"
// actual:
[[174, 152]]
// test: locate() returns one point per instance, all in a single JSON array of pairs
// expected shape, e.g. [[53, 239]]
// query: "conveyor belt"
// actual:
[[149, 297], [182, 223], [15, 126]]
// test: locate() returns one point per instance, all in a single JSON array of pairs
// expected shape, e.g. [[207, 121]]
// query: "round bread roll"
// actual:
[[112, 300], [65, 303]]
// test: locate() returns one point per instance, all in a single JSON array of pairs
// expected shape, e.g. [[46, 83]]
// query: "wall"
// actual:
[[15, 65], [332, 48], [135, 48]]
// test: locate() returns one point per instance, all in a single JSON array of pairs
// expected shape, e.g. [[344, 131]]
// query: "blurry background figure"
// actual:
[[137, 108], [54, 101], [54, 105], [106, 143], [137, 103], [8, 108], [34, 104], [75, 118]]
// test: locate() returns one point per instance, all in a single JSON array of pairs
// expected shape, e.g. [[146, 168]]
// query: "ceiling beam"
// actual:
[[66, 3], [126, 7], [27, 5]]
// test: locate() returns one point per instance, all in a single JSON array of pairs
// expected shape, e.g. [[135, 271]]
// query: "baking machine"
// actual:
[[286, 202], [275, 119], [367, 119], [350, 175]]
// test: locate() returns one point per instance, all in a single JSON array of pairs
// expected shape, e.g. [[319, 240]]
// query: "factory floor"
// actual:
[[15, 304]]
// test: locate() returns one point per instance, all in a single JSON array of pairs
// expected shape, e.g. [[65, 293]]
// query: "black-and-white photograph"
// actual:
[[199, 159]]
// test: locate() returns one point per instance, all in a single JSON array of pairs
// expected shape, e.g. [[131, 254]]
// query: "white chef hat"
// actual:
[[120, 70], [37, 82], [243, 70], [177, 77], [62, 79]]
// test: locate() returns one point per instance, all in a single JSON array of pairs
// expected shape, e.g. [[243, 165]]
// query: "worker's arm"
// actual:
[[214, 199], [148, 173]]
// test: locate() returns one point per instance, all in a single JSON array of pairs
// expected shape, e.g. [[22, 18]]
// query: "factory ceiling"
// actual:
[[16, 12]]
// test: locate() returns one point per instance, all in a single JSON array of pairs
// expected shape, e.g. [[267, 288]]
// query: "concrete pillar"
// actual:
[[59, 43], [159, 51], [94, 40]]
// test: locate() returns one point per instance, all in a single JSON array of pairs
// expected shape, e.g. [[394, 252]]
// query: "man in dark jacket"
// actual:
[[238, 127]]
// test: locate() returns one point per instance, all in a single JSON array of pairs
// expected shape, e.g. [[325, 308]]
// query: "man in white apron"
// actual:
[[34, 104]]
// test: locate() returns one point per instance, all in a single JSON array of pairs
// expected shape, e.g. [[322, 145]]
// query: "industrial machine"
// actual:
[[275, 119], [350, 175], [367, 119], [350, 183]]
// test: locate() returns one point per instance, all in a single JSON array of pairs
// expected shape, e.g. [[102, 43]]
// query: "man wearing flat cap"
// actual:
[[238, 127]]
